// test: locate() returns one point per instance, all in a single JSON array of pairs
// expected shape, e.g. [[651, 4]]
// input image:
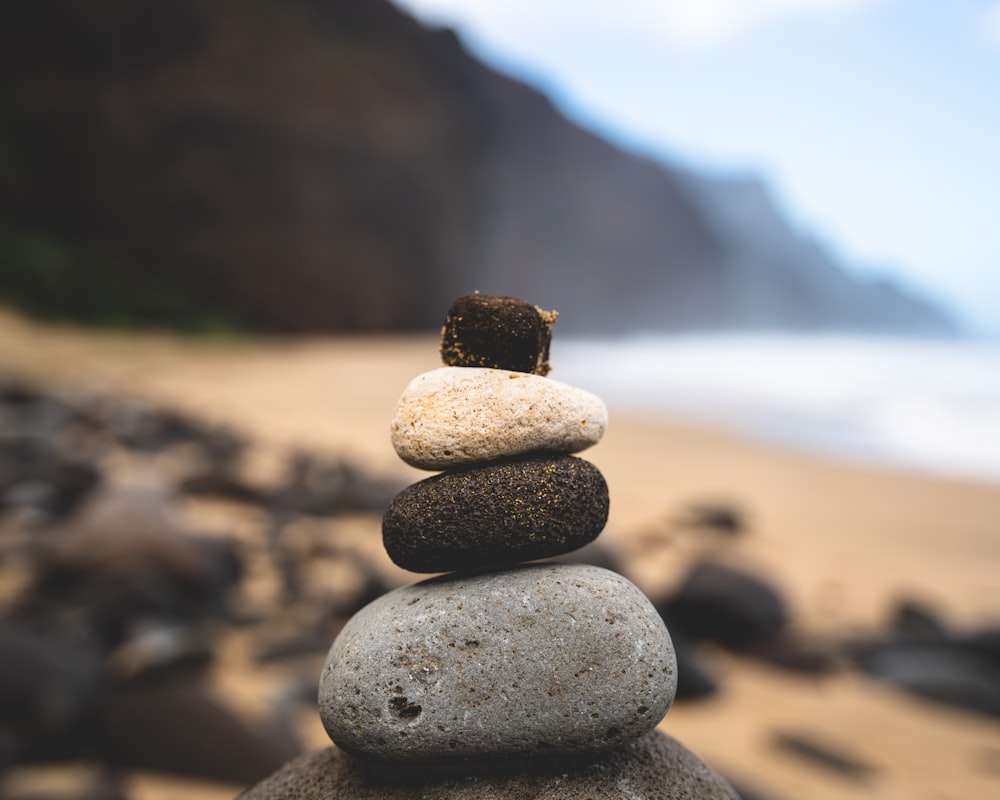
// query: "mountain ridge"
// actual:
[[319, 165]]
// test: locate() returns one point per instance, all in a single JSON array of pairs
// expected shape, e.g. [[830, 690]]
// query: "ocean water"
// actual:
[[926, 405]]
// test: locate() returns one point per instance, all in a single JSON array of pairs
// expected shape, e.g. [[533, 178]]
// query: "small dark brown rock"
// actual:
[[496, 514], [482, 330]]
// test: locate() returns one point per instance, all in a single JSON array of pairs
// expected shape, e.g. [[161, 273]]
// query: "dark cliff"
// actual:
[[311, 165]]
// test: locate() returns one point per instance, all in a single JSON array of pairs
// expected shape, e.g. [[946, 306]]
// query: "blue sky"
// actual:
[[876, 123]]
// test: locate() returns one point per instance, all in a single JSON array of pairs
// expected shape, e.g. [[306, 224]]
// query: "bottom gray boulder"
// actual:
[[654, 767]]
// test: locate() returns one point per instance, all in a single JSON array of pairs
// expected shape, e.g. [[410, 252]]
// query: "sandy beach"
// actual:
[[844, 543]]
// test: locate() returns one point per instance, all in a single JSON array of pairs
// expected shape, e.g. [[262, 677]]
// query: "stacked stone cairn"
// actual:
[[499, 678]]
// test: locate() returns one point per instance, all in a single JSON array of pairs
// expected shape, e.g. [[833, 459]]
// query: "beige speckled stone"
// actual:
[[536, 660], [655, 767], [462, 415]]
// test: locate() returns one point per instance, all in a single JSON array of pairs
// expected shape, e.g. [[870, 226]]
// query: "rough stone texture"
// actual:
[[497, 514], [536, 660], [454, 416], [656, 767], [484, 330]]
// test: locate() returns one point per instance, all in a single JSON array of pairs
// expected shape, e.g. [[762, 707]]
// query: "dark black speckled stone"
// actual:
[[496, 514], [483, 330], [655, 767]]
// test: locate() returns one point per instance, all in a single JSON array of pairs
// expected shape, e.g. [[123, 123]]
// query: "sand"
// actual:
[[844, 542]]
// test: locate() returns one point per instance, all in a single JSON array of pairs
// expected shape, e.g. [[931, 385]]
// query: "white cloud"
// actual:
[[704, 23], [690, 24]]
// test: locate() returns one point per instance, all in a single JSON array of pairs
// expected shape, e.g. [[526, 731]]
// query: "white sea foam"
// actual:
[[922, 404]]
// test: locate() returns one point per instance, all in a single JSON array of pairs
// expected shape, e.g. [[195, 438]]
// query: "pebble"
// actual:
[[482, 330], [537, 660], [655, 767], [942, 671], [183, 728], [52, 689], [731, 606], [694, 678], [454, 416], [496, 514]]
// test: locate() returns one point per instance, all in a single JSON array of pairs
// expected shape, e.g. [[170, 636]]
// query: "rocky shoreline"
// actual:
[[304, 572]]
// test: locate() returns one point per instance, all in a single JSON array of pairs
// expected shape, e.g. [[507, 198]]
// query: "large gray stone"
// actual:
[[540, 659], [656, 767], [462, 415]]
